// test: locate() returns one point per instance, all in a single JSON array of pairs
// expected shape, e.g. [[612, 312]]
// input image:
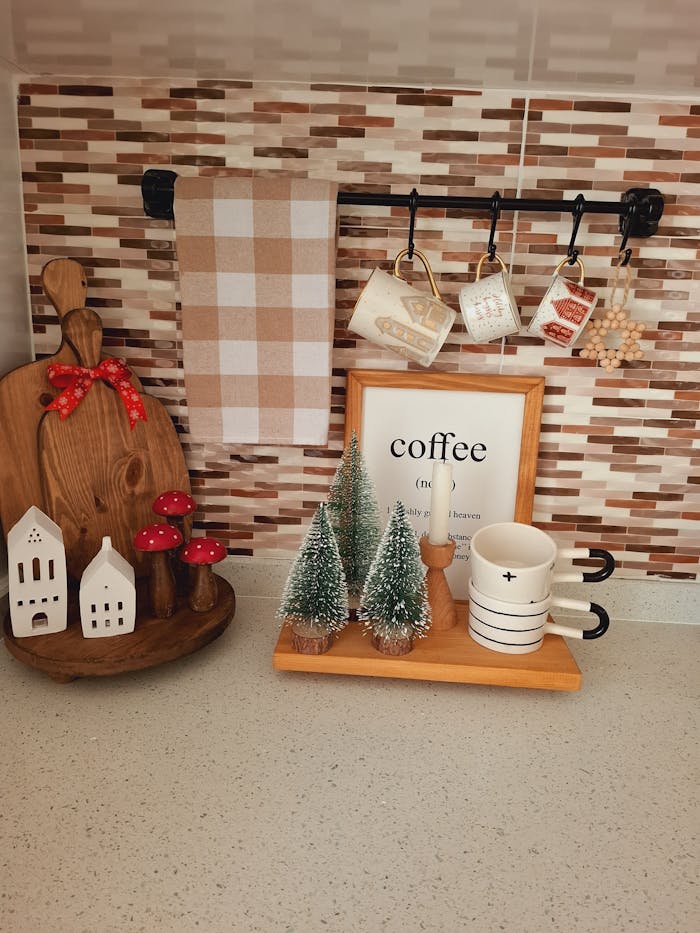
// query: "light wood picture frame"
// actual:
[[487, 425]]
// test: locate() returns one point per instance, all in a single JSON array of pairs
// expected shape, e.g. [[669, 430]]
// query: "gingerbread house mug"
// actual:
[[515, 562], [488, 306], [563, 312], [519, 628], [399, 317]]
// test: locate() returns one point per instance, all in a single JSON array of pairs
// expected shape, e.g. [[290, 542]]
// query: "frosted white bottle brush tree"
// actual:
[[315, 597], [354, 515]]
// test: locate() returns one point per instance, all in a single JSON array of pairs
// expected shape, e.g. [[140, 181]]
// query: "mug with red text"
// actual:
[[488, 306]]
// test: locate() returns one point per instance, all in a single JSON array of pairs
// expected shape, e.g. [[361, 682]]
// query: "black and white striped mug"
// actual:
[[519, 628]]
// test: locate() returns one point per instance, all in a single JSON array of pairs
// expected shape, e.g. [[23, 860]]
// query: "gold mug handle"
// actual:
[[578, 262], [496, 258], [426, 264]]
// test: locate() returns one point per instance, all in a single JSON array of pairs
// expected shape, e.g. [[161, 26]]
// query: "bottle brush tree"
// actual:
[[354, 514], [395, 600], [315, 596]]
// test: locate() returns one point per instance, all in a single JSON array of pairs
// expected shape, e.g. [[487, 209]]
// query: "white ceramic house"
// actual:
[[36, 561], [107, 594]]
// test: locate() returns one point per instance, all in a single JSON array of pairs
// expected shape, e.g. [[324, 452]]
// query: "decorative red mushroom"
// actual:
[[158, 540], [202, 553], [174, 506]]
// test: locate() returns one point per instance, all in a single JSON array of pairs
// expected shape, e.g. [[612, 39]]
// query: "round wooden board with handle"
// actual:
[[66, 655]]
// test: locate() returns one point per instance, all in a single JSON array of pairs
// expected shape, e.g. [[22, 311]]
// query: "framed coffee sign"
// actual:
[[486, 426]]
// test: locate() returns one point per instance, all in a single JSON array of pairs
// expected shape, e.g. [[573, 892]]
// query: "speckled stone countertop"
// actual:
[[215, 794]]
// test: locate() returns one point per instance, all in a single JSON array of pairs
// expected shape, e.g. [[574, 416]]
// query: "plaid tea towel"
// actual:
[[257, 279]]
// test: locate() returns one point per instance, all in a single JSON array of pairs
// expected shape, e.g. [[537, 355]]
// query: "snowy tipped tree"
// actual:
[[315, 596], [395, 600], [354, 514]]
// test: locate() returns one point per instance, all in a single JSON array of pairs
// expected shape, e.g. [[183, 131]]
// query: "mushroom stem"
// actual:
[[204, 592], [180, 571], [162, 585]]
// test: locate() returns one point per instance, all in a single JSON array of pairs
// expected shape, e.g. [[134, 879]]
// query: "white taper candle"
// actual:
[[440, 492]]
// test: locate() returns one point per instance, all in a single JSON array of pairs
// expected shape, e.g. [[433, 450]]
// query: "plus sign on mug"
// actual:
[[515, 562]]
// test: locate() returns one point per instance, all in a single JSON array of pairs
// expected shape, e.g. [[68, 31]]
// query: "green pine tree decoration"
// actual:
[[395, 599], [354, 514], [315, 596]]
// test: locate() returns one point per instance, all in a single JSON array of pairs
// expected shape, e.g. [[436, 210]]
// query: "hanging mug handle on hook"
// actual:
[[578, 211], [413, 208], [495, 214], [625, 229]]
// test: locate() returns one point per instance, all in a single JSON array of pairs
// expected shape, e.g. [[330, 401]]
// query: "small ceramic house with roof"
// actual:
[[107, 594], [36, 561]]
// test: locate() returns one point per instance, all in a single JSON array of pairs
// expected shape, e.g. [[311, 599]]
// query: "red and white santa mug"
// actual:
[[564, 310]]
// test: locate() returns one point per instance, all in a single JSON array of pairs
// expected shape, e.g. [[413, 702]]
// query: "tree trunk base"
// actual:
[[311, 644], [392, 646]]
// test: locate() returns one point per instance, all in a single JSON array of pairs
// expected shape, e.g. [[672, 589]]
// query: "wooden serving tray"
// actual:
[[450, 656], [66, 655]]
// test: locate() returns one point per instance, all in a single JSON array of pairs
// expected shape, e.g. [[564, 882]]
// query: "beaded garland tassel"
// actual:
[[616, 320]]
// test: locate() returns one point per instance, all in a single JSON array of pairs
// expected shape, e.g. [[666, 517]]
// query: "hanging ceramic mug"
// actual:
[[519, 628], [563, 312], [488, 306], [515, 562], [399, 317]]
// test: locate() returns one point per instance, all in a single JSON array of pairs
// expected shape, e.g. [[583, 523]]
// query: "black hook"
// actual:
[[413, 207], [626, 227], [578, 211], [495, 213]]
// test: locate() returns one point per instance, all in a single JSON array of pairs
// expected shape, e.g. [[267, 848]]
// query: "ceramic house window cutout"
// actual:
[[36, 561], [107, 594]]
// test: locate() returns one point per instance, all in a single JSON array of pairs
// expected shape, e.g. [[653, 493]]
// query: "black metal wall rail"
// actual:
[[639, 209]]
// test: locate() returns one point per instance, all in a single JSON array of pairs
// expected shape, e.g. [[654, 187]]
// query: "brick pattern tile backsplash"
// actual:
[[618, 460]]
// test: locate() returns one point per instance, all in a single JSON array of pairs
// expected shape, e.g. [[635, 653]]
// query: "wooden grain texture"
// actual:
[[66, 655], [65, 285], [99, 477], [450, 656], [24, 393], [436, 558]]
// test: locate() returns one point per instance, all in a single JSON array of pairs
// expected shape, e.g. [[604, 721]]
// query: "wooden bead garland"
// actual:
[[616, 320]]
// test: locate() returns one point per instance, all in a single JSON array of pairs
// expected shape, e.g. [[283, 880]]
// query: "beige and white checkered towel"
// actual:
[[257, 278]]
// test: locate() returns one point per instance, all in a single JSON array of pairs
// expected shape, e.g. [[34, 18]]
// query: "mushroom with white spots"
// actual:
[[175, 506], [158, 540], [201, 553]]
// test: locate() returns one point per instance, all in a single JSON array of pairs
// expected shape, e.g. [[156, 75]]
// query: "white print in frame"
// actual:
[[486, 427]]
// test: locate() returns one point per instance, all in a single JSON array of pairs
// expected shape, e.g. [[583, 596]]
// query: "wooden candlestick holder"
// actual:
[[436, 558]]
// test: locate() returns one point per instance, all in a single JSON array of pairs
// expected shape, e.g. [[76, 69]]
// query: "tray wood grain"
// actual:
[[450, 656]]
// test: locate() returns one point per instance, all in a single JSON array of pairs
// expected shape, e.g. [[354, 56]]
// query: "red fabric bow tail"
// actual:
[[76, 382]]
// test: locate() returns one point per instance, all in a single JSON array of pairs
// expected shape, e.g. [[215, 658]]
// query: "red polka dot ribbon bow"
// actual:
[[77, 380]]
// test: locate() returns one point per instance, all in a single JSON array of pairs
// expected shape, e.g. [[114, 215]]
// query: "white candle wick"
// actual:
[[440, 493]]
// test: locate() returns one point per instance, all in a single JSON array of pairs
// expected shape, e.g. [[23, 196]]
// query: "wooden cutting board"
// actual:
[[24, 392], [98, 476]]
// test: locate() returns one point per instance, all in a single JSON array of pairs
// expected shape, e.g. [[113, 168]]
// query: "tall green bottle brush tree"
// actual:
[[315, 596], [395, 604], [354, 515]]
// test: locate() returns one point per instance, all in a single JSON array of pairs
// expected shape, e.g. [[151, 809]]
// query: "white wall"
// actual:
[[15, 335]]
